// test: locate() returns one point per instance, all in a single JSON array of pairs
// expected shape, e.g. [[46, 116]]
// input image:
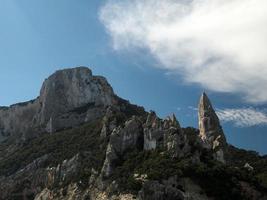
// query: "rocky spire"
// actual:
[[210, 129]]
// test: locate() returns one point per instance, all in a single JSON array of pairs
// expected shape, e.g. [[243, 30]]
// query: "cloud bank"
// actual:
[[243, 117], [219, 44]]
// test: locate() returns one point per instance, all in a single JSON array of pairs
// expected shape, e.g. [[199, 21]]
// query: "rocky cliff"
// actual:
[[67, 98], [78, 140], [210, 130]]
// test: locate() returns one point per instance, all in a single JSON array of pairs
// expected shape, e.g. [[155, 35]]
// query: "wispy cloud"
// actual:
[[219, 44], [245, 117], [240, 117]]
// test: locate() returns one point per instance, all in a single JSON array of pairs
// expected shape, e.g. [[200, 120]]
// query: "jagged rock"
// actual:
[[122, 139], [109, 122], [64, 172], [210, 129], [45, 194], [30, 180], [67, 98], [153, 134], [72, 97], [164, 134]]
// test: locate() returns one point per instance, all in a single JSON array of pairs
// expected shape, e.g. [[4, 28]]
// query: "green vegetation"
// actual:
[[239, 157], [59, 146], [262, 177], [217, 180], [156, 164]]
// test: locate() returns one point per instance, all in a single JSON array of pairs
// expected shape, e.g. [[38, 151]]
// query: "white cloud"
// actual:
[[245, 117], [219, 44]]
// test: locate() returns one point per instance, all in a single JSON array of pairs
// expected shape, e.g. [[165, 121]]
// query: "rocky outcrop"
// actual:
[[165, 134], [115, 150], [155, 133], [109, 122], [210, 129], [31, 180], [68, 98], [64, 173], [122, 139]]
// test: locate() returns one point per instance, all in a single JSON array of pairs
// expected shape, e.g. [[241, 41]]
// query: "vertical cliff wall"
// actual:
[[210, 129], [67, 98]]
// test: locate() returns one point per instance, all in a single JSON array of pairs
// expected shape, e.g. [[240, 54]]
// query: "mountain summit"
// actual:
[[210, 129], [60, 104], [78, 140]]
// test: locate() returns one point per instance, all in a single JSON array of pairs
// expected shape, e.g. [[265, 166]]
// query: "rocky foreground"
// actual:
[[78, 140]]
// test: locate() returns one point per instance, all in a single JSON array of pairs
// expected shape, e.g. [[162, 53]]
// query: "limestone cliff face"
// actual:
[[122, 139], [115, 150], [154, 134], [68, 97], [166, 134], [210, 129]]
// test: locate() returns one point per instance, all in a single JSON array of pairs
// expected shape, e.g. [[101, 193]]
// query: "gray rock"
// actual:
[[165, 134], [109, 122], [64, 173], [122, 139], [210, 129], [25, 182], [153, 132], [67, 98]]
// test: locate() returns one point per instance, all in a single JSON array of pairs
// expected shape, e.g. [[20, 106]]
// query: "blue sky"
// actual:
[[38, 37]]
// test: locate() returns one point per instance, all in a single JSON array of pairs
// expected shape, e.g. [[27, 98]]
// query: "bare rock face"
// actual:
[[165, 134], [68, 98], [210, 129], [72, 88], [153, 132], [65, 172], [122, 139]]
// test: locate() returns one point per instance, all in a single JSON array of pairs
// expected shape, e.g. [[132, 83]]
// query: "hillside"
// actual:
[[79, 140]]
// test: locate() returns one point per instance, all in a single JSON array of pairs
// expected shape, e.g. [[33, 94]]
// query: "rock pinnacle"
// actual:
[[210, 129]]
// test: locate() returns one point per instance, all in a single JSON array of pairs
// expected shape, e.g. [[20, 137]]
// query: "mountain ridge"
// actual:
[[81, 141]]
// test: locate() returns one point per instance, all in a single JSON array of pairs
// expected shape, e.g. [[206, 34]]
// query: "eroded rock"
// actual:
[[210, 129], [122, 139], [164, 134], [67, 98]]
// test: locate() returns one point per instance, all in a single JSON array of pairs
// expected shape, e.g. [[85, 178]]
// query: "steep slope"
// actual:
[[57, 106], [78, 140]]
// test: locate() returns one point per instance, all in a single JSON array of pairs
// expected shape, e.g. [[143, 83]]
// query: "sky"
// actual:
[[158, 54]]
